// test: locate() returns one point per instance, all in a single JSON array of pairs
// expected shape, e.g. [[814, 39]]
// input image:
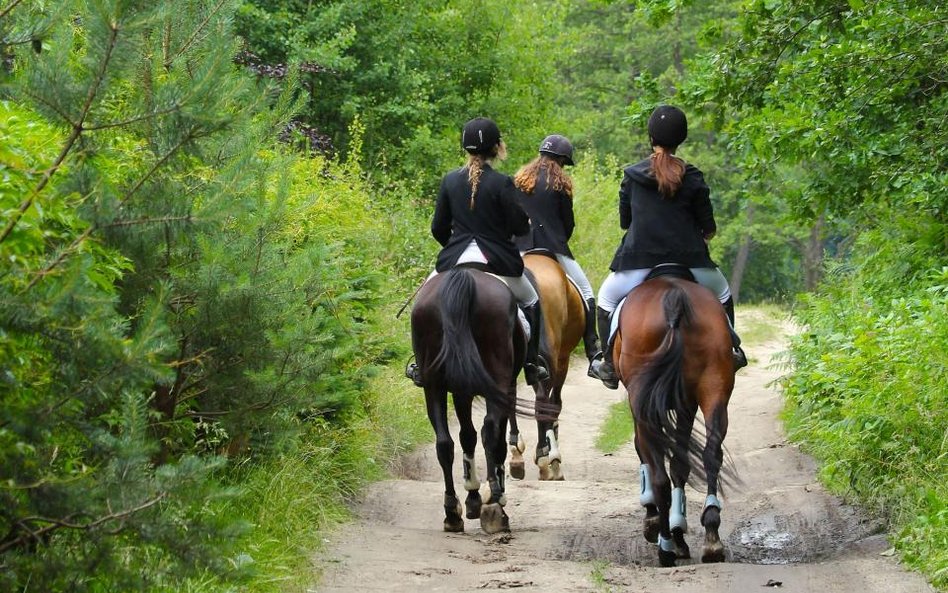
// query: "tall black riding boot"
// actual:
[[591, 339], [740, 359], [606, 371], [533, 368]]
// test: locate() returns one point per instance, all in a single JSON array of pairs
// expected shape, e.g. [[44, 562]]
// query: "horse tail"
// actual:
[[662, 397], [464, 371]]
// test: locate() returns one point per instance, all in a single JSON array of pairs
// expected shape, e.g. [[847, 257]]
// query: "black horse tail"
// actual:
[[459, 357], [661, 388]]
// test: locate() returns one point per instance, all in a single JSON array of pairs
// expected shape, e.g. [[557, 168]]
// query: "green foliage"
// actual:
[[860, 401], [171, 294], [412, 73]]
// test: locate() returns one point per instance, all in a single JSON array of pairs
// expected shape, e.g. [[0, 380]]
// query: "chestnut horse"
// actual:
[[673, 354], [467, 340], [564, 319]]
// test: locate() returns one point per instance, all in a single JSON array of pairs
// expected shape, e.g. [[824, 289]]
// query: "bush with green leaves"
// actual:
[[867, 392], [172, 294]]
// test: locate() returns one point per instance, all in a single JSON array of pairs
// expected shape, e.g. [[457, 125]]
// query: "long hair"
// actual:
[[668, 170], [556, 177], [475, 166]]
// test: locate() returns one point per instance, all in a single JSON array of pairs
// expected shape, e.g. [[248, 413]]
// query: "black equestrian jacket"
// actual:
[[492, 221], [551, 219], [663, 230]]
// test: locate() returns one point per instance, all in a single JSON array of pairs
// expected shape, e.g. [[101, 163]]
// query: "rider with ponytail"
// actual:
[[665, 208], [475, 219]]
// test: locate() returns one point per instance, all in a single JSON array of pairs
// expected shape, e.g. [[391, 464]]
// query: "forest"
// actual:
[[212, 211]]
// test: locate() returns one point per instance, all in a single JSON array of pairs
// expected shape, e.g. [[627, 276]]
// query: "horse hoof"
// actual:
[[713, 553], [473, 505], [454, 525], [517, 470], [666, 559], [494, 519], [681, 546]]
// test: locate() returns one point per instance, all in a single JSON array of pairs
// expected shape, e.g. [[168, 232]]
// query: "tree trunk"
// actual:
[[813, 255], [743, 256]]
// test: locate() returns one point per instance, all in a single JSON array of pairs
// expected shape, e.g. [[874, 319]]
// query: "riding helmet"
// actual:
[[667, 126], [480, 136], [557, 145]]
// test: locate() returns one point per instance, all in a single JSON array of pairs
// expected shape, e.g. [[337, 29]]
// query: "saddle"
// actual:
[[673, 270]]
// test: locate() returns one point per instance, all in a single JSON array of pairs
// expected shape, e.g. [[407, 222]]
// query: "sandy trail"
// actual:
[[584, 534]]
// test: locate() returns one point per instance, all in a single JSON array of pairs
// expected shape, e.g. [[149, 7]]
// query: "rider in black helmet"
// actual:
[[665, 207], [475, 218]]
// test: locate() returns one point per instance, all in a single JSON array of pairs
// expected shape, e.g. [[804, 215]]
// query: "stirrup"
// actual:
[[414, 373], [606, 373], [534, 373], [594, 364]]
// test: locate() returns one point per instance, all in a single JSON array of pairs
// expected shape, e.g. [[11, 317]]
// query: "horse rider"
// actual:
[[545, 191], [475, 219], [665, 208]]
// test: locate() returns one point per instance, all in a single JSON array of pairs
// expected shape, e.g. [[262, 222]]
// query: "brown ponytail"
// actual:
[[668, 170]]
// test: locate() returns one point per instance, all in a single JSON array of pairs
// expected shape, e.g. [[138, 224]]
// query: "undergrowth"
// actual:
[[867, 398]]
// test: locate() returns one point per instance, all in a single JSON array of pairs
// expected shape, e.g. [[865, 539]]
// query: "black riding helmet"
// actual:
[[557, 145], [667, 126], [480, 136]]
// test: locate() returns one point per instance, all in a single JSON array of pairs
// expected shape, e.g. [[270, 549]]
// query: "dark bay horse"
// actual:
[[673, 354], [467, 341], [564, 320]]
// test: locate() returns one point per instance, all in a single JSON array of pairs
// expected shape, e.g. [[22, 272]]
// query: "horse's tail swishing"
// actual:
[[459, 358], [660, 398]]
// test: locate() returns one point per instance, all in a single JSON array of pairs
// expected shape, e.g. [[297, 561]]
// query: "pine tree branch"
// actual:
[[30, 535], [96, 226], [136, 119], [7, 10], [138, 221], [194, 36], [77, 130]]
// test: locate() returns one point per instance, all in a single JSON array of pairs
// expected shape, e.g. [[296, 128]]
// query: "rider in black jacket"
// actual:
[[475, 219], [545, 191], [665, 207]]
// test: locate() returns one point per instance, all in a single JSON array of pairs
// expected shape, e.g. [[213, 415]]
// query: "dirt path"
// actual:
[[584, 534]]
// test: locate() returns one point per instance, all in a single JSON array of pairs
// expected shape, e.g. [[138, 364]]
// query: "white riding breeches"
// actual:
[[618, 284]]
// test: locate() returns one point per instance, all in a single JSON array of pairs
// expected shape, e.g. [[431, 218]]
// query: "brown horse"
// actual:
[[564, 319], [673, 354], [467, 341]]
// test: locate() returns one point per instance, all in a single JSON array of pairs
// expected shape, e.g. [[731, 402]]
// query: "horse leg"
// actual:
[[661, 485], [437, 406], [650, 526], [517, 447], [493, 517], [679, 467], [468, 440], [553, 432], [713, 457], [546, 441]]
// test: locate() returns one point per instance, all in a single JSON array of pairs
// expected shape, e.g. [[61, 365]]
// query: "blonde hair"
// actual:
[[668, 170], [475, 166], [556, 177]]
